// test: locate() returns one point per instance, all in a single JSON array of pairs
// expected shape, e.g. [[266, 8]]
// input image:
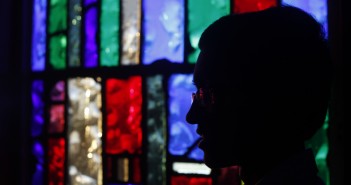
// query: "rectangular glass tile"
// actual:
[[38, 108], [56, 160], [58, 45], [164, 30], [123, 169], [317, 8], [38, 153], [136, 170], [188, 180], [242, 6], [123, 109], [39, 35], [74, 32], [90, 33], [57, 119], [58, 91], [131, 15], [156, 129], [109, 33], [181, 134], [58, 16], [198, 21], [191, 168], [84, 131]]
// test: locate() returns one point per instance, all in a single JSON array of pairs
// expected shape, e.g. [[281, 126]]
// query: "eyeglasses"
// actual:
[[203, 97]]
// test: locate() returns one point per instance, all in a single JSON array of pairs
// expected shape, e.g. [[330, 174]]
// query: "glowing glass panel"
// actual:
[[56, 160], [191, 168], [57, 119], [58, 45], [317, 8], [58, 16], [38, 108], [186, 180], [163, 30], [181, 134], [131, 32], [84, 131], [74, 32], [123, 169], [123, 109], [156, 129], [109, 33], [90, 27], [58, 91], [198, 20], [39, 35], [38, 153], [242, 6]]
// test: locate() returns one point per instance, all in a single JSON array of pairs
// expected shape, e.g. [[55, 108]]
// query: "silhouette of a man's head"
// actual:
[[263, 84]]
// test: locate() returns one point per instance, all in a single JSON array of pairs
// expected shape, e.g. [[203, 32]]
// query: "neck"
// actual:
[[254, 169]]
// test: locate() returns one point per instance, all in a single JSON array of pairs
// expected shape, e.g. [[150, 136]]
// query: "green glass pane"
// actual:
[[109, 33], [198, 20], [58, 16], [58, 46], [319, 144]]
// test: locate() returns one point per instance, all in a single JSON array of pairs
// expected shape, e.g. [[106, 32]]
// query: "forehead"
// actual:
[[201, 73]]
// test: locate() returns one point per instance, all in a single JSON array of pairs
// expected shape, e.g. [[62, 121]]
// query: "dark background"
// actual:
[[15, 38]]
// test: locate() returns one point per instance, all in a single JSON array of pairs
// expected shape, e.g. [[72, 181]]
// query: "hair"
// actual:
[[282, 59]]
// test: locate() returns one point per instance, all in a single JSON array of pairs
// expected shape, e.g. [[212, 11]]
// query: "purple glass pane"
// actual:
[[91, 55], [163, 29], [89, 2], [317, 8], [39, 35], [38, 108], [182, 134], [58, 92], [38, 153]]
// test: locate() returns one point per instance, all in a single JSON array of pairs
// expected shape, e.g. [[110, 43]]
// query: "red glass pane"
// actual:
[[57, 119], [242, 6], [184, 180], [123, 106], [56, 159], [136, 171]]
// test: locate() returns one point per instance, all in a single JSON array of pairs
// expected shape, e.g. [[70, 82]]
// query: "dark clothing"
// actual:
[[301, 169]]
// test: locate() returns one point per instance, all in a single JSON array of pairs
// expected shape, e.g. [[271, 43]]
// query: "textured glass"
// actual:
[[317, 8], [58, 91], [56, 161], [109, 33], [38, 108], [319, 144], [58, 16], [57, 119], [123, 110], [84, 132], [136, 170], [38, 153], [163, 30], [123, 169], [198, 20], [131, 32], [90, 46], [191, 168], [156, 129], [186, 180], [74, 33], [58, 45], [181, 134], [39, 35], [243, 6]]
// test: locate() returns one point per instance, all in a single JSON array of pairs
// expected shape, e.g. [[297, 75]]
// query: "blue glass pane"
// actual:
[[317, 8], [39, 35], [164, 30], [38, 153], [91, 48], [197, 154], [38, 108], [182, 134]]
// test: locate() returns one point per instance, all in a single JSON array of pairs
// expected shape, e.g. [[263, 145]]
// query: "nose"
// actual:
[[193, 114]]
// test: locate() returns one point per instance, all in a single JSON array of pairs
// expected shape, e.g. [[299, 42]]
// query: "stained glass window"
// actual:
[[111, 86]]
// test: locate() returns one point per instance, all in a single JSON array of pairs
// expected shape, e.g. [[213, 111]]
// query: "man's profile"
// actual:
[[263, 85]]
